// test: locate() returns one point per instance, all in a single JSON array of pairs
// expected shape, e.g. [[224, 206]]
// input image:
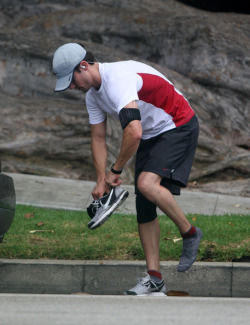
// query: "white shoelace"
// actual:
[[96, 204], [141, 281]]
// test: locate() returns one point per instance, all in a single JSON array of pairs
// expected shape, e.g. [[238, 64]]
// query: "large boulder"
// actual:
[[205, 54]]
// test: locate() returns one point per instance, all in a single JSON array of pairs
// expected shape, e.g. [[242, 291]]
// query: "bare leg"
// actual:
[[150, 236], [149, 186]]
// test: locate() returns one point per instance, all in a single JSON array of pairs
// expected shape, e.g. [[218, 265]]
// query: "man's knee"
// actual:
[[143, 184], [146, 210]]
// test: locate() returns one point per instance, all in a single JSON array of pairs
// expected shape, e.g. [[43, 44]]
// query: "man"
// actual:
[[158, 125]]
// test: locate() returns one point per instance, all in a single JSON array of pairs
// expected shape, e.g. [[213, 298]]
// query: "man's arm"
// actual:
[[99, 153], [130, 142]]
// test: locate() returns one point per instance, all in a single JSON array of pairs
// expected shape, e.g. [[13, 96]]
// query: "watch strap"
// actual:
[[117, 172]]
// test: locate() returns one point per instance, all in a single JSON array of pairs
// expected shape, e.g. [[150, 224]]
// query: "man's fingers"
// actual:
[[113, 182]]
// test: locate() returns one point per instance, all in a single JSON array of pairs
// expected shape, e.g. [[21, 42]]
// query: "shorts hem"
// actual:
[[170, 179], [173, 185]]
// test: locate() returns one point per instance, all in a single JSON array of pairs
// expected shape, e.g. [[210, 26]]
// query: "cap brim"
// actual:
[[64, 83]]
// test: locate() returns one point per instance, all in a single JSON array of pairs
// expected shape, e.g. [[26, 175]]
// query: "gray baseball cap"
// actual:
[[65, 60]]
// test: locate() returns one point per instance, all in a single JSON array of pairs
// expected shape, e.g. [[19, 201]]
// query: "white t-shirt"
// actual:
[[162, 107]]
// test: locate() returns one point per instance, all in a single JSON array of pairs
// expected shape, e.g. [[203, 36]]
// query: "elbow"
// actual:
[[136, 131], [139, 132], [138, 136]]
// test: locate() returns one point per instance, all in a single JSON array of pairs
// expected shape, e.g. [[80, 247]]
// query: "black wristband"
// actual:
[[117, 172]]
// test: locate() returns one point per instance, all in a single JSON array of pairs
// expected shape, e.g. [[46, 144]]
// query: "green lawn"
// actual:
[[62, 234]]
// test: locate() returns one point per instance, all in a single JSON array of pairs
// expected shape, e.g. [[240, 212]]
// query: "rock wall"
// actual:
[[205, 54]]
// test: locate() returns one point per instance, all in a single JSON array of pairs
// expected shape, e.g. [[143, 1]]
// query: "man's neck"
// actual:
[[97, 80]]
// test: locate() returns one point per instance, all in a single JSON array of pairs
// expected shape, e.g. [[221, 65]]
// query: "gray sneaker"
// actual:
[[189, 250], [147, 287], [107, 205]]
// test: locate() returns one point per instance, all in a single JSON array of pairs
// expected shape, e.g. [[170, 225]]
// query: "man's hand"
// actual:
[[112, 179], [100, 189]]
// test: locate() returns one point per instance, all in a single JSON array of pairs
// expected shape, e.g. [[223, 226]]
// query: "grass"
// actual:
[[62, 234]]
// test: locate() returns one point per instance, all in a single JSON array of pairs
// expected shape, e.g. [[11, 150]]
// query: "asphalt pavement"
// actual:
[[115, 310]]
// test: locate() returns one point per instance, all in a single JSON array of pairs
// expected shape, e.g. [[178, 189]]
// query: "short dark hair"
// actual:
[[89, 57]]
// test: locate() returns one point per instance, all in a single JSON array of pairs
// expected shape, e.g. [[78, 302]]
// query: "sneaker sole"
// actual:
[[108, 213], [151, 294]]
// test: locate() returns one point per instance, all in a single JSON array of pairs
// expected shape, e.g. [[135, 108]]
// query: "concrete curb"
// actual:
[[112, 277]]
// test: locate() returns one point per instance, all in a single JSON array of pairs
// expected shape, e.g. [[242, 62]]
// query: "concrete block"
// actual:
[[41, 277], [241, 280], [203, 279], [111, 278]]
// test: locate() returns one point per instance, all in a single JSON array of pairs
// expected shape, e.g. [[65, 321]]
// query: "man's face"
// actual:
[[81, 81]]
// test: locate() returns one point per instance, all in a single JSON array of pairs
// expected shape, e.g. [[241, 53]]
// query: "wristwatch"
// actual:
[[117, 172]]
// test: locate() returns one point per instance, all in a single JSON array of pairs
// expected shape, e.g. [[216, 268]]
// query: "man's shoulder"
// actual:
[[122, 67], [90, 96], [121, 72]]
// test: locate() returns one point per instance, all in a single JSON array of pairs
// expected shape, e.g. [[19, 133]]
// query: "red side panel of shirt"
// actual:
[[162, 94]]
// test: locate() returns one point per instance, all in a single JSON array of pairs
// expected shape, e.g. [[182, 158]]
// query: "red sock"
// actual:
[[189, 233], [155, 273]]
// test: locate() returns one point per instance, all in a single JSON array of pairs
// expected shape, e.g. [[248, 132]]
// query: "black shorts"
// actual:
[[169, 155]]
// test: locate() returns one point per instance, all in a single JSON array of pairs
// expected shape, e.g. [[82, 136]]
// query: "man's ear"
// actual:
[[83, 64]]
